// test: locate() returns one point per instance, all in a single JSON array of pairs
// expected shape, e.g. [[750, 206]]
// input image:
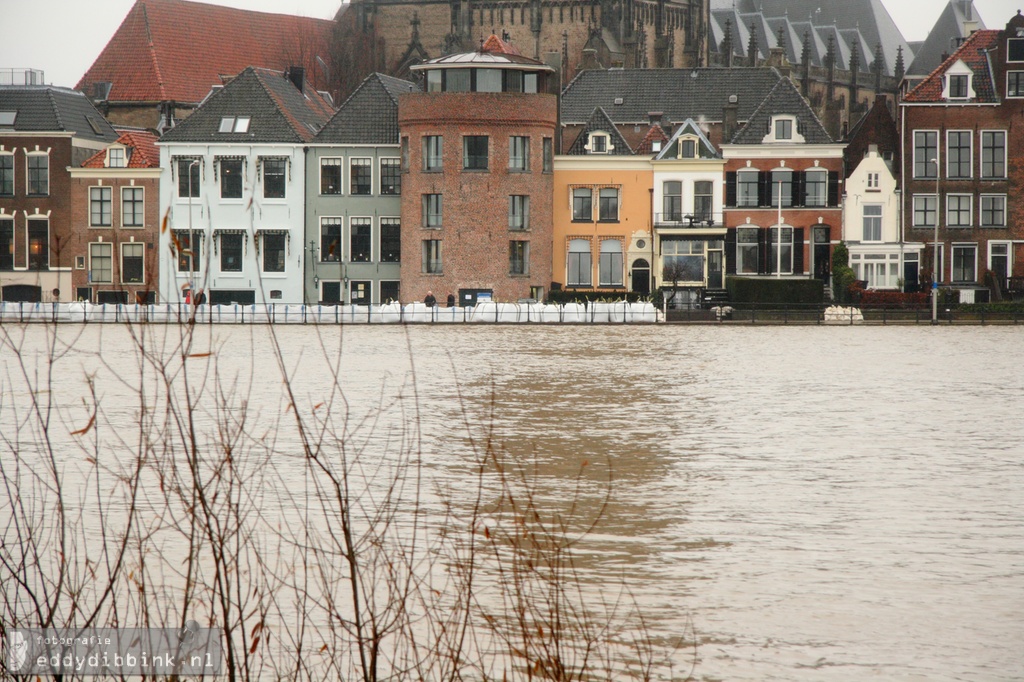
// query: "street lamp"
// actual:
[[778, 251], [936, 268], [191, 238]]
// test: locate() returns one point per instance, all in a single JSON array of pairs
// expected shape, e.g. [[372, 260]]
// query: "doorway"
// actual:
[[641, 278]]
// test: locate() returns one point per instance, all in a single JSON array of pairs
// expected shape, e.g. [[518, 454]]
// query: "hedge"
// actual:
[[777, 291]]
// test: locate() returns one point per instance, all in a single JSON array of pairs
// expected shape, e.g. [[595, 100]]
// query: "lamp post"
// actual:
[[778, 250], [936, 268]]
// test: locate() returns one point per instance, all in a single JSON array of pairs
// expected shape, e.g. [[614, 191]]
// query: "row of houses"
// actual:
[[479, 178]]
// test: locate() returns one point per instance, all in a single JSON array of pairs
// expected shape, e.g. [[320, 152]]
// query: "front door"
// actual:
[[911, 283], [715, 270], [822, 252], [641, 282]]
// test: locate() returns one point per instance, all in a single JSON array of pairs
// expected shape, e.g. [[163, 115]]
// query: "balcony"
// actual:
[[695, 221]]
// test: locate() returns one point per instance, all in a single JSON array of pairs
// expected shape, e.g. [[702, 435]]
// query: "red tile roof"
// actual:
[[496, 44], [177, 49], [144, 152], [972, 53], [655, 134]]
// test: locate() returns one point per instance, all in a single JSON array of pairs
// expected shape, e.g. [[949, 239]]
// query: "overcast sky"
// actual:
[[64, 37]]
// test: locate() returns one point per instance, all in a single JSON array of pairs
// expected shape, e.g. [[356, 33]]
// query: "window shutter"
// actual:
[[798, 250], [763, 252], [764, 188], [798, 189], [730, 191], [730, 250], [833, 188]]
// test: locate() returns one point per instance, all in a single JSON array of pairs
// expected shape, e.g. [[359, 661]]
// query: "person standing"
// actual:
[[429, 300], [451, 300]]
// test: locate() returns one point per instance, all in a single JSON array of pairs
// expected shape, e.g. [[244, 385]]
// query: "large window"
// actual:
[[100, 203], [6, 244], [672, 201], [189, 251], [274, 178], [608, 204], [993, 210], [580, 267], [38, 174], [958, 86], [188, 178], [273, 252], [360, 240], [518, 212], [360, 174], [38, 245], [582, 198], [958, 210], [958, 154], [787, 250], [6, 175], [547, 150], [431, 257], [872, 223], [519, 153], [231, 178], [432, 152], [231, 252], [390, 240], [432, 210], [682, 260], [330, 176], [926, 148], [746, 188], [133, 268], [782, 181], [993, 154], [390, 177], [518, 258], [474, 152], [389, 291], [925, 208], [101, 263], [703, 200], [816, 188], [610, 266], [330, 240], [1015, 83], [132, 204], [965, 263], [746, 250], [488, 80]]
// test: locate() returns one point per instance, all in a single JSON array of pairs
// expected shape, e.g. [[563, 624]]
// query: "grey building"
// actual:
[[353, 201]]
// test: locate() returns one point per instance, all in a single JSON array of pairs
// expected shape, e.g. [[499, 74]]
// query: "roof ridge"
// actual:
[[56, 109], [151, 48], [279, 105], [953, 58]]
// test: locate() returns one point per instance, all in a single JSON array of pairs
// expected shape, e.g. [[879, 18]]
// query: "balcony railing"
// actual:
[[694, 220]]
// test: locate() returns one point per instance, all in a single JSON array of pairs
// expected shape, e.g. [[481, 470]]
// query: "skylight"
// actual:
[[7, 118], [234, 124]]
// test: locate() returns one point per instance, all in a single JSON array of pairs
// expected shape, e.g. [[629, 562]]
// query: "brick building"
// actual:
[[44, 131], [961, 164], [115, 209], [477, 148]]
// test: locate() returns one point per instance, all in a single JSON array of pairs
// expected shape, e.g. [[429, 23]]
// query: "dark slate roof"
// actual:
[[973, 53], [600, 122], [720, 19], [868, 16], [783, 99], [679, 93], [279, 111], [945, 34], [46, 108], [369, 115], [689, 127]]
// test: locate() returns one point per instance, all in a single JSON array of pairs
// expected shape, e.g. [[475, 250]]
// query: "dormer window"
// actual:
[[957, 84], [688, 148], [599, 143], [116, 157], [783, 129], [234, 124]]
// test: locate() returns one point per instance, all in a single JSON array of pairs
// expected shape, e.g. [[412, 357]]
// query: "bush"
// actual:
[[780, 291], [569, 296]]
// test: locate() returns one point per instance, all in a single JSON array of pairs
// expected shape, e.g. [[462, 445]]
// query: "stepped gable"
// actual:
[[175, 50], [599, 122], [369, 115], [278, 111], [679, 93], [144, 151], [973, 54], [783, 99], [48, 108]]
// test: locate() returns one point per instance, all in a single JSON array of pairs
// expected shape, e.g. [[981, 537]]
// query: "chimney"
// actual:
[[730, 113], [654, 117], [296, 74]]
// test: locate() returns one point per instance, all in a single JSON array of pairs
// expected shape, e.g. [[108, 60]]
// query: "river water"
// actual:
[[815, 503]]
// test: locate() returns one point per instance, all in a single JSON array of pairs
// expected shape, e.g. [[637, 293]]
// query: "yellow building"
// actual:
[[602, 214]]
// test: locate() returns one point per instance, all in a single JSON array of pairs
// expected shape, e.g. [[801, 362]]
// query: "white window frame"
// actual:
[[773, 244], [935, 210], [99, 189], [110, 258], [234, 124], [981, 155], [616, 278], [14, 173], [127, 189], [360, 162], [360, 221], [954, 247], [970, 154], [588, 273], [981, 210], [875, 220], [109, 163], [746, 245], [958, 69], [391, 161], [332, 162], [1008, 245], [35, 155], [593, 143], [142, 247], [970, 211], [927, 162], [1020, 83], [618, 202]]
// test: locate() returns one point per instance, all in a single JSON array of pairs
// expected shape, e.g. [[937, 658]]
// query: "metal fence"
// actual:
[[753, 313]]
